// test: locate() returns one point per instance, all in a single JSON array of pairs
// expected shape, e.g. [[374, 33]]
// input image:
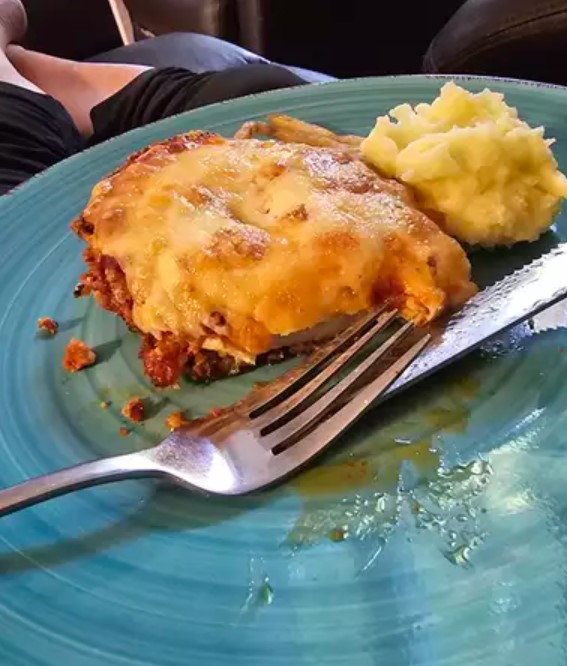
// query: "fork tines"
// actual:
[[291, 456], [301, 399]]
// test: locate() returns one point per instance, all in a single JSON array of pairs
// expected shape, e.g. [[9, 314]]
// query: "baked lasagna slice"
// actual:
[[221, 252]]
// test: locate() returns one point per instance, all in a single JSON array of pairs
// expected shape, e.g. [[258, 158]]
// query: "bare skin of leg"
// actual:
[[78, 86], [13, 24]]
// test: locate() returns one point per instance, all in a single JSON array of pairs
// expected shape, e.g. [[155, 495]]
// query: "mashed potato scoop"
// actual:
[[469, 157]]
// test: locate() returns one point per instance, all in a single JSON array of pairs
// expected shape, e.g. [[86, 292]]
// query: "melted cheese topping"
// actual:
[[275, 238]]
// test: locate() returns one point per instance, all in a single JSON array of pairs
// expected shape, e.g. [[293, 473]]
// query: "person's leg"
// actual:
[[116, 98], [161, 93], [77, 86], [35, 130]]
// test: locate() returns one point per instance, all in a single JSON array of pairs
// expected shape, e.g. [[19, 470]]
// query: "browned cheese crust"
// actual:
[[219, 250]]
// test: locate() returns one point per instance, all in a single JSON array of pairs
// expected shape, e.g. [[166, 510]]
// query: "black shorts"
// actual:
[[36, 131]]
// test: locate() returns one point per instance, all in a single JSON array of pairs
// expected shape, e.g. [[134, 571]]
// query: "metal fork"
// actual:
[[264, 438]]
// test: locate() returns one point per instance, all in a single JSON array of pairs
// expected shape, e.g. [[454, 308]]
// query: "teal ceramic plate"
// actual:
[[434, 533]]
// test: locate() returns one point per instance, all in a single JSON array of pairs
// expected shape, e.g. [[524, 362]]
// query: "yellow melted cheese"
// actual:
[[275, 237]]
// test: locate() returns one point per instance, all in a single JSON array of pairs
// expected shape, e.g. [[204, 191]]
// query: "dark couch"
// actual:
[[517, 38], [520, 38]]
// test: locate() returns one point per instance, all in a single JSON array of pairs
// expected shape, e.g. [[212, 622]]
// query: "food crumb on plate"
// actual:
[[123, 432], [134, 410], [78, 355], [176, 420], [48, 325], [105, 404], [81, 289], [338, 534]]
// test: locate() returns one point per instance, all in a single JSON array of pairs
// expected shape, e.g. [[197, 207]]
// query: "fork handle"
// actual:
[[85, 475]]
